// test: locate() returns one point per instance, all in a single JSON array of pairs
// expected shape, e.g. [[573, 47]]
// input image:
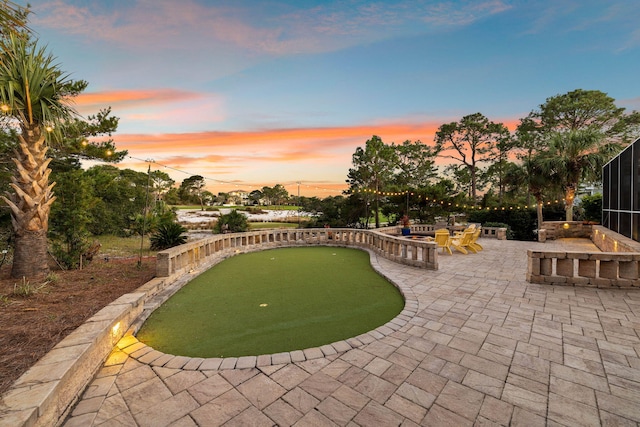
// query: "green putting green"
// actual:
[[273, 301]]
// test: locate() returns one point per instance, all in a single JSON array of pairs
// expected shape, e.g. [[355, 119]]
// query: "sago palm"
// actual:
[[34, 99]]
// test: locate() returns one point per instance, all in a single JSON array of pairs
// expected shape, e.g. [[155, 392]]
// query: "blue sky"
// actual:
[[253, 93]]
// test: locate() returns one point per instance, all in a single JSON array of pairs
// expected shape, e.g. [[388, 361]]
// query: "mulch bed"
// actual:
[[32, 325]]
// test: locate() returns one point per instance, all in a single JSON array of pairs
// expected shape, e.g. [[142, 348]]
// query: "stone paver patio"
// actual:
[[485, 347]]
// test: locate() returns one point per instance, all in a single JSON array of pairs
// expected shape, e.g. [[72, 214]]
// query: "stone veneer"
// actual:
[[616, 266]]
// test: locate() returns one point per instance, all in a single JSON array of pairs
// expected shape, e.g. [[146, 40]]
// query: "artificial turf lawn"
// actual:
[[273, 301]]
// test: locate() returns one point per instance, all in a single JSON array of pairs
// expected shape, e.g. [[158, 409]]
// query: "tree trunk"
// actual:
[[539, 214], [472, 171], [30, 255], [569, 195], [30, 205]]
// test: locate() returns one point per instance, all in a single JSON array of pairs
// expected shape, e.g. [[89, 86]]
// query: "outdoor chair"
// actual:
[[463, 243], [470, 227], [474, 242], [443, 240]]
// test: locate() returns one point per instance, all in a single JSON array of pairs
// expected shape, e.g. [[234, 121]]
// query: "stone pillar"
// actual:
[[542, 235]]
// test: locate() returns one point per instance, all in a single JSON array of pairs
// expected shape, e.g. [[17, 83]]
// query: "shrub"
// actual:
[[233, 222], [168, 235], [592, 207], [521, 223]]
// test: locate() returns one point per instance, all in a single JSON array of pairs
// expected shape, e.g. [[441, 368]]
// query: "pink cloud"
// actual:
[[155, 107]]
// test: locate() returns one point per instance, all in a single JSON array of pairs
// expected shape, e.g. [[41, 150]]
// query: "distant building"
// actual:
[[239, 197]]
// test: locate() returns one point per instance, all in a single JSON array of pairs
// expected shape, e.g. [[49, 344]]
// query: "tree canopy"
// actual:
[[471, 141]]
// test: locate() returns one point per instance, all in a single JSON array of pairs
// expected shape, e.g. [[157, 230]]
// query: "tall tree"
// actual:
[[471, 142], [70, 216], [192, 188], [415, 166], [35, 98], [587, 109], [374, 166], [529, 140], [161, 183], [279, 194], [500, 163], [276, 195], [255, 196], [578, 131], [540, 181], [574, 156], [120, 197]]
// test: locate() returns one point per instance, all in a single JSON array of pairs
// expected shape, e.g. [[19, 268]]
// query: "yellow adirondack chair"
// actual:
[[443, 240], [463, 243], [471, 227], [474, 242]]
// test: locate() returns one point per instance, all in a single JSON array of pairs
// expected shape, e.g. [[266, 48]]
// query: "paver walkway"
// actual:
[[485, 348]]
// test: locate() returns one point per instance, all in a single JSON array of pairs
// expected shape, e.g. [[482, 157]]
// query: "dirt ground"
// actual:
[[32, 325]]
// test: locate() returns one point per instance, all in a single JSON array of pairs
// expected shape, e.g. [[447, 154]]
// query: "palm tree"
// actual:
[[34, 94], [538, 181], [12, 17], [574, 156]]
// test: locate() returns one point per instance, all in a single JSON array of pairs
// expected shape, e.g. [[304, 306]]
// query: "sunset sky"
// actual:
[[253, 93]]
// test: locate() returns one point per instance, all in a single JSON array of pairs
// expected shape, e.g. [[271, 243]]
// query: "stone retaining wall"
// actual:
[[610, 241], [551, 230], [386, 243], [499, 233], [615, 267], [596, 269]]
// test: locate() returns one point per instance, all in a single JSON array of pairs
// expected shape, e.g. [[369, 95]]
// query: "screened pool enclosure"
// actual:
[[621, 192]]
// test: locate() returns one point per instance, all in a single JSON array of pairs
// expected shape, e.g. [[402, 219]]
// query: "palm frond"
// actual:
[[31, 83]]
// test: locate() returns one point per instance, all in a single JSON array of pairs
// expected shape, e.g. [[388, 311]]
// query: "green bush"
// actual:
[[168, 235], [233, 222], [521, 224], [591, 207]]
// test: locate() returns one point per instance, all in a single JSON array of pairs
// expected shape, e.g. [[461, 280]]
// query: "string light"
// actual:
[[457, 205]]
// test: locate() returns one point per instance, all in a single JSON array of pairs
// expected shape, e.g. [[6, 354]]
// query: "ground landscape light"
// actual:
[[565, 226], [4, 108], [115, 331]]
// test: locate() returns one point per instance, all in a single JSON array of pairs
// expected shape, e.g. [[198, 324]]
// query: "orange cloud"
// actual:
[[128, 99], [318, 157], [329, 137], [134, 98], [155, 108]]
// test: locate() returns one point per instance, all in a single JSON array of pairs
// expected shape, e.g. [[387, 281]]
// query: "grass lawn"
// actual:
[[274, 301], [124, 246]]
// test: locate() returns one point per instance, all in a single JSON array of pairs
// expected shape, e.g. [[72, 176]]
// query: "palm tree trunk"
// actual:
[[30, 205], [539, 214], [569, 195], [30, 255]]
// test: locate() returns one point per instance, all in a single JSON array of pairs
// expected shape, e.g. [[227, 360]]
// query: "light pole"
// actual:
[[367, 215]]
